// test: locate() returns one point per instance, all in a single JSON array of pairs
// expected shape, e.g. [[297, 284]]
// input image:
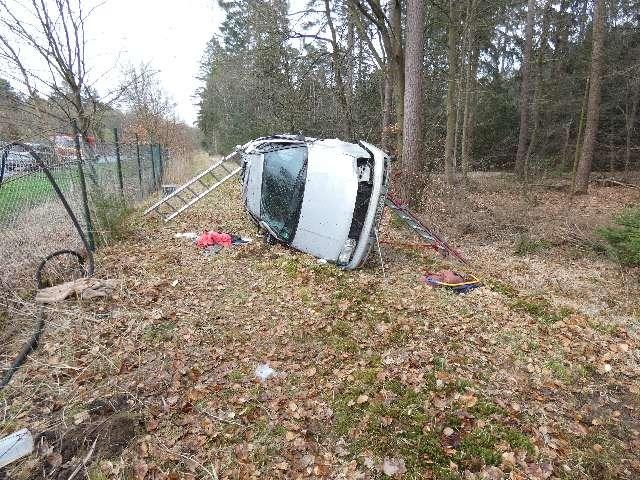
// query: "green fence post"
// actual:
[[118, 163], [161, 163], [153, 168], [139, 167], [83, 187]]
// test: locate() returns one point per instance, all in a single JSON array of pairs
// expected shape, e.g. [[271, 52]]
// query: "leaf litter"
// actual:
[[533, 376]]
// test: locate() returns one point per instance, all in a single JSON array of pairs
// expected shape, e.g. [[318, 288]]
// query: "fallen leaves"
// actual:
[[472, 365]]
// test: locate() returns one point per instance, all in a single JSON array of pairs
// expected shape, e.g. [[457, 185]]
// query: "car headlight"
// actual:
[[347, 251]]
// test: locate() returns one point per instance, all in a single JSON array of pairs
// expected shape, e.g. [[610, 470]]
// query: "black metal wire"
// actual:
[[32, 343]]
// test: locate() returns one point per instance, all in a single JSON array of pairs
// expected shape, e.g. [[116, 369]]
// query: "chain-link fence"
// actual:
[[100, 181], [32, 220]]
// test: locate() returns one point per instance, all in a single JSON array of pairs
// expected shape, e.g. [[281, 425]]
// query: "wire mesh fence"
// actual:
[[33, 221], [100, 183]]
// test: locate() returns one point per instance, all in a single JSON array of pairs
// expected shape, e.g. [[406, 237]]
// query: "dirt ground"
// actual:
[[535, 375]]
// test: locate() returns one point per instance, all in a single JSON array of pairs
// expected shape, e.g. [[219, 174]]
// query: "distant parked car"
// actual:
[[18, 160], [44, 151], [323, 197]]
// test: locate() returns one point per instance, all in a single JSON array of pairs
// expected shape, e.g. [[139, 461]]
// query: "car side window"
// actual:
[[283, 178]]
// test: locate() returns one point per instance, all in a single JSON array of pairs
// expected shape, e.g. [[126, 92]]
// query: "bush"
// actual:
[[111, 218], [624, 237]]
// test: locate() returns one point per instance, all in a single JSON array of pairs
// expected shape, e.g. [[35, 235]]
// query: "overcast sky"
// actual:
[[169, 35]]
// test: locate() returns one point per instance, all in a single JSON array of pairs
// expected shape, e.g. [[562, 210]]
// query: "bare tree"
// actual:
[[389, 27], [583, 171], [342, 88], [51, 34]]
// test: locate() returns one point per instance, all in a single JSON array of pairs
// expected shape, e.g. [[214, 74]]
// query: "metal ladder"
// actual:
[[420, 229], [197, 188]]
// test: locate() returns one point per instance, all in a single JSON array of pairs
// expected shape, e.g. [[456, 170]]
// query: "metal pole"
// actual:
[[161, 164], [139, 167], [118, 162], [153, 168], [83, 187]]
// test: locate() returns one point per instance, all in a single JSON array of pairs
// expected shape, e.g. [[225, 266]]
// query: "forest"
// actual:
[[524, 86]]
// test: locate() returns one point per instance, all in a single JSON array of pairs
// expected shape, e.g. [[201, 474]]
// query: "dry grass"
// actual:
[[181, 170], [533, 375]]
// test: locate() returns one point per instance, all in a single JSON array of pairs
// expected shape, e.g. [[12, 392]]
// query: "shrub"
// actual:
[[624, 237], [111, 215]]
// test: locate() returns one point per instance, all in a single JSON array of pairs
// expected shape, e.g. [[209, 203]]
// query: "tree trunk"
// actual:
[[350, 54], [471, 72], [469, 110], [630, 119], [451, 92], [387, 110], [565, 147], [580, 133], [612, 156], [412, 129], [525, 94], [535, 106], [581, 182], [397, 60]]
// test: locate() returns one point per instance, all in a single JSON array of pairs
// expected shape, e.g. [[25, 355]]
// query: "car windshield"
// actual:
[[283, 177]]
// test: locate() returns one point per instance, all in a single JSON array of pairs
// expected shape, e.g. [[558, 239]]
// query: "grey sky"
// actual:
[[169, 35]]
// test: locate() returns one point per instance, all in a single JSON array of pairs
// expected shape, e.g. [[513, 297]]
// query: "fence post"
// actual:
[[118, 163], [83, 187], [153, 168], [161, 163], [139, 167]]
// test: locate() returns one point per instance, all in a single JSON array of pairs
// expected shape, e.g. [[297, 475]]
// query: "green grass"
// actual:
[[501, 287], [596, 455], [30, 190], [527, 245], [541, 309], [402, 426], [158, 332]]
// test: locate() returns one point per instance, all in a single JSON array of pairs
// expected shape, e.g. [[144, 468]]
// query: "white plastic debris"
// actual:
[[322, 261], [393, 466], [264, 372], [187, 235], [15, 446]]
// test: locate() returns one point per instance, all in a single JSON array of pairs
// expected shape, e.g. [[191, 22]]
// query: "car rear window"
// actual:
[[283, 177]]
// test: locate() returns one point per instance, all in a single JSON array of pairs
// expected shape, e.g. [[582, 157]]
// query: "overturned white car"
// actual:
[[323, 197]]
